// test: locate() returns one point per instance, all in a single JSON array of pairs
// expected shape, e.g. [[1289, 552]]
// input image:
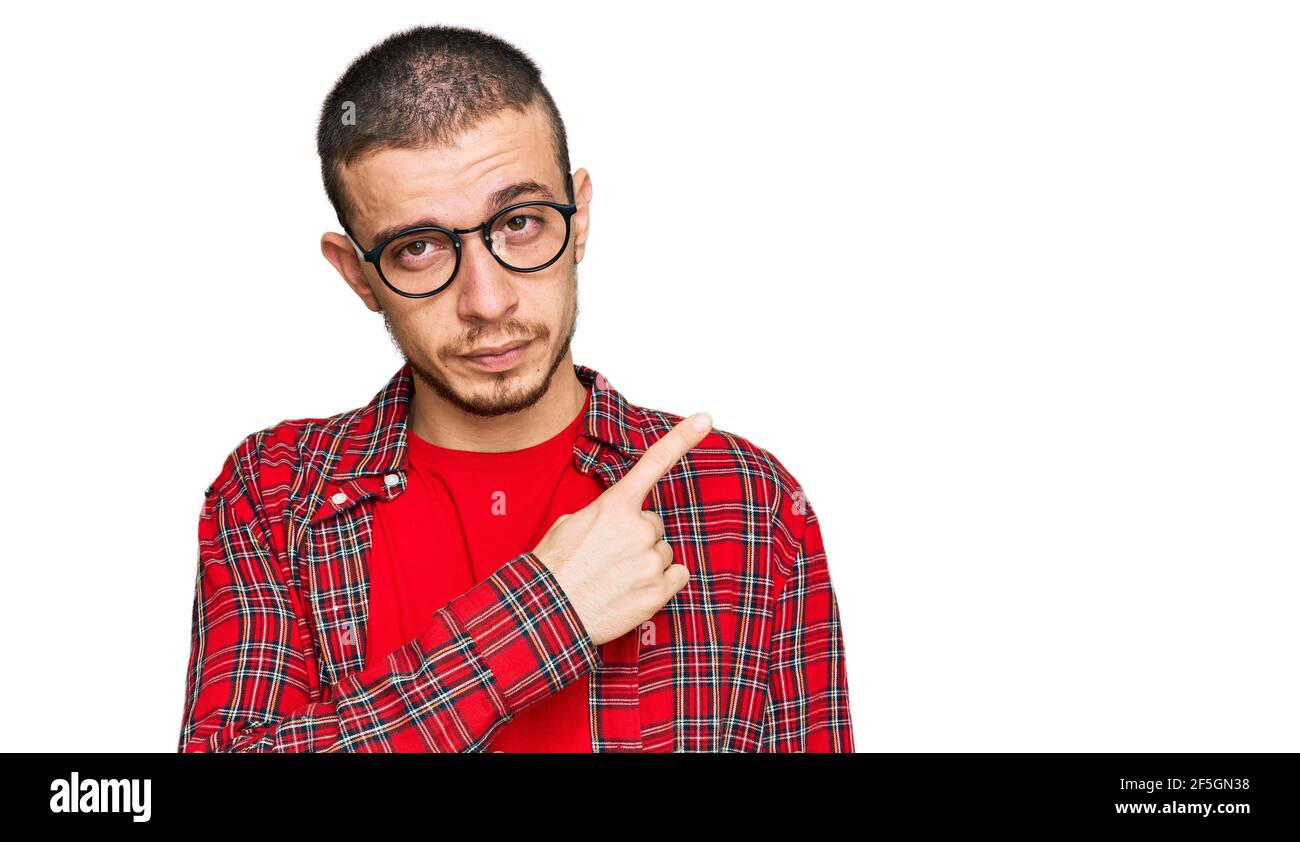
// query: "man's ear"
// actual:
[[338, 250], [582, 216]]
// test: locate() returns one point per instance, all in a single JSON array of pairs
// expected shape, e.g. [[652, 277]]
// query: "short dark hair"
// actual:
[[421, 87]]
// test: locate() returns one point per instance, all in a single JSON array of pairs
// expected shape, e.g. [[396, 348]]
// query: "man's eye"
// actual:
[[419, 249]]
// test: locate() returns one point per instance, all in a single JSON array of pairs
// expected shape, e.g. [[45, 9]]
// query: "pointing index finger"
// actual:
[[660, 457]]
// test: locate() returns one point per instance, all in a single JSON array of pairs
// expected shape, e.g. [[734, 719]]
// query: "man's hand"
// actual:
[[608, 557]]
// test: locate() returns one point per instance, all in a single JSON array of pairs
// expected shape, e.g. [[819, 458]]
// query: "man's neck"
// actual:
[[436, 421]]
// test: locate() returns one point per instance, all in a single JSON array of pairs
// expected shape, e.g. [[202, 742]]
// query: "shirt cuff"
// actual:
[[526, 632]]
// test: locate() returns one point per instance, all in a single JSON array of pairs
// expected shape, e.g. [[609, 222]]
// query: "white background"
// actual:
[[1010, 287]]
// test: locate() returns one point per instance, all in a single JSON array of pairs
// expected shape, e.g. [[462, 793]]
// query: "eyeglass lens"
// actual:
[[524, 238]]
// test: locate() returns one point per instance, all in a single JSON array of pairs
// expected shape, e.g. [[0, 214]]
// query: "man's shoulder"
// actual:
[[264, 461], [723, 452]]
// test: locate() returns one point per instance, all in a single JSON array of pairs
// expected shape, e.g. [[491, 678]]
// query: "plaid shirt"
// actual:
[[748, 656]]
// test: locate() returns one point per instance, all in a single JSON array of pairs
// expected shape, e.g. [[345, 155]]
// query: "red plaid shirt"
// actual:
[[747, 657]]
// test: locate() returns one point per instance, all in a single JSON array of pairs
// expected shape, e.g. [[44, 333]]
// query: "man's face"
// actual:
[[487, 305]]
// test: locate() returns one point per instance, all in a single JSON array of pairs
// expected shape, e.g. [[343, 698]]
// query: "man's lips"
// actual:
[[501, 348], [500, 358]]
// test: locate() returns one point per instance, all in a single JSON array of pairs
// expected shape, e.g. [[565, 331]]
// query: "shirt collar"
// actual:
[[361, 454], [372, 439]]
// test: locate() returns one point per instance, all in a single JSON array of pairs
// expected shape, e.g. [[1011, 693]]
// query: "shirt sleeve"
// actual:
[[807, 708], [510, 641]]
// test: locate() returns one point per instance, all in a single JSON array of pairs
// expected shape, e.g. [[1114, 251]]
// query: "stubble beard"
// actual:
[[506, 395]]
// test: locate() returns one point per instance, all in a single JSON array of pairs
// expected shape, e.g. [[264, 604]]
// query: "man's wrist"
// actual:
[[526, 631]]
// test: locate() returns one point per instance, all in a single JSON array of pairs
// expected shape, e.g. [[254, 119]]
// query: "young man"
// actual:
[[499, 552]]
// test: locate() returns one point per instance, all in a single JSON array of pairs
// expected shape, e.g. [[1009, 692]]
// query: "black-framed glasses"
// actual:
[[423, 261]]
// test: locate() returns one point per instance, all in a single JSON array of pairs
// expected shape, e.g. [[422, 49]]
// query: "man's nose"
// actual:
[[486, 287]]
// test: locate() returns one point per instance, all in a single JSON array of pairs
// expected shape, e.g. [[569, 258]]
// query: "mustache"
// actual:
[[479, 339]]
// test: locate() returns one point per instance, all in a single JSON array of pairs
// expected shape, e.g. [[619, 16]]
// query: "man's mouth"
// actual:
[[500, 357]]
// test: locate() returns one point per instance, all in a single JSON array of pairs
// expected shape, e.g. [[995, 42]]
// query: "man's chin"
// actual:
[[478, 391]]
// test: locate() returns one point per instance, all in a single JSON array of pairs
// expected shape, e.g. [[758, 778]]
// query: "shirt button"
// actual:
[[390, 479], [339, 499]]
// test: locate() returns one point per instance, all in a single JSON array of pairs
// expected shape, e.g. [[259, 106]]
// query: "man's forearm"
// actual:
[[503, 645]]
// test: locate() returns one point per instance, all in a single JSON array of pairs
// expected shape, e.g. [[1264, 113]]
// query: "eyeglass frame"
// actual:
[[373, 255]]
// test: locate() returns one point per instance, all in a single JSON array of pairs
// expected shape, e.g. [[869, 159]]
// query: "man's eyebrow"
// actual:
[[498, 200], [507, 195]]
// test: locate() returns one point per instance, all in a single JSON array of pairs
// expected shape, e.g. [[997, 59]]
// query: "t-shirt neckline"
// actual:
[[557, 448]]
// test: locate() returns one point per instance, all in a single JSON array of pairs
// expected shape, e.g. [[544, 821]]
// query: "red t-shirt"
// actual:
[[463, 515]]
